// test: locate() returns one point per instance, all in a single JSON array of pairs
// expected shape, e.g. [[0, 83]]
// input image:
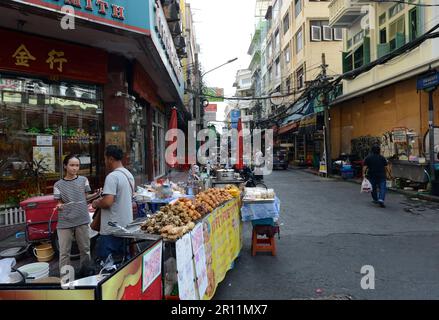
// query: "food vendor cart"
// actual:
[[188, 267], [262, 208], [140, 278]]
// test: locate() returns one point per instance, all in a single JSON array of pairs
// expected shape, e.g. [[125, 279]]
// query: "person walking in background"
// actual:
[[116, 205], [376, 170], [73, 217]]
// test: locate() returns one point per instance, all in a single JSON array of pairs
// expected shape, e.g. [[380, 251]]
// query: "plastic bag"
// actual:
[[366, 186]]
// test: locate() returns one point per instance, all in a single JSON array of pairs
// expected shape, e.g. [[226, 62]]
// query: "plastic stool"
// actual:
[[264, 244]]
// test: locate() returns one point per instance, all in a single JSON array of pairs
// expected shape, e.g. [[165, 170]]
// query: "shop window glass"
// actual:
[[39, 122]]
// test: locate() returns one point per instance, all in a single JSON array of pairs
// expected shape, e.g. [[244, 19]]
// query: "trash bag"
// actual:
[[366, 186]]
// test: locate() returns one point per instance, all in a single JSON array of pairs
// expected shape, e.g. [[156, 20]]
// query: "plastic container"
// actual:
[[347, 174], [35, 271], [39, 211], [44, 252]]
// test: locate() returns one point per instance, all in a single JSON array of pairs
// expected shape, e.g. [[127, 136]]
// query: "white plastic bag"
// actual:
[[366, 186]]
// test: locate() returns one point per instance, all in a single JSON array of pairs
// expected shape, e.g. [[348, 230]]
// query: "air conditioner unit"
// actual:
[[179, 42], [172, 12], [175, 28]]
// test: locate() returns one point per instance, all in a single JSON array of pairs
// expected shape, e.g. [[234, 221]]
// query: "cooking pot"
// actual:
[[225, 174]]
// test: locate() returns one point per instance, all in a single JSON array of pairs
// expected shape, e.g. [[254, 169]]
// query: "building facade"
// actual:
[[383, 101], [297, 35], [110, 75]]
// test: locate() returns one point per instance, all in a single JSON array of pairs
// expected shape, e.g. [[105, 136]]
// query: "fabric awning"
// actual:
[[289, 127]]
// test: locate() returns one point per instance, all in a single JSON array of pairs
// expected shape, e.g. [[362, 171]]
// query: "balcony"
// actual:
[[344, 13]]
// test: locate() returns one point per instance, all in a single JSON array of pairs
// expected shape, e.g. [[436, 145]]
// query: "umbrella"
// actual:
[[240, 164], [173, 125]]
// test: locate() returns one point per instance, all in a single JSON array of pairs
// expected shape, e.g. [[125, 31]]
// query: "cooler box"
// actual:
[[39, 212], [347, 172]]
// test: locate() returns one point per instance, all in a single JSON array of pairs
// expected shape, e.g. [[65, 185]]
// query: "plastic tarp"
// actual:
[[256, 211]]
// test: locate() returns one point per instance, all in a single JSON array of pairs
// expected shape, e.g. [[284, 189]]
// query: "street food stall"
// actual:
[[184, 251], [262, 208], [226, 177], [202, 238]]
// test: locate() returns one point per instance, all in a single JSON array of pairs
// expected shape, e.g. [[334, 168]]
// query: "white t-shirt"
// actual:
[[121, 212]]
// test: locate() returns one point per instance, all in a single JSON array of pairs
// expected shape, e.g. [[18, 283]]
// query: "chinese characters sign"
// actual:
[[56, 59]]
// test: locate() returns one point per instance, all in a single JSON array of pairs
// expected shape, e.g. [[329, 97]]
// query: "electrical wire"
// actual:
[[405, 2]]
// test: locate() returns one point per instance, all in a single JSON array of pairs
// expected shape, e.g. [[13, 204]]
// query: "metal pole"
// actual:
[[327, 125], [60, 152], [431, 133], [197, 93]]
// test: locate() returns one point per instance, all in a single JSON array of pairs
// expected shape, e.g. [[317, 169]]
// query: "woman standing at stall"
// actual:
[[73, 217]]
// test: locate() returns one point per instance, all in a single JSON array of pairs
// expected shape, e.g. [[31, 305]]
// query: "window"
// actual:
[[397, 8], [269, 50], [286, 23], [320, 30], [277, 70], [358, 57], [382, 19], [327, 33], [349, 43], [297, 7], [300, 78], [358, 37], [299, 41], [30, 108], [288, 85], [276, 41], [413, 24], [245, 82], [276, 10], [316, 33], [338, 34], [383, 35], [287, 54], [269, 76], [397, 27]]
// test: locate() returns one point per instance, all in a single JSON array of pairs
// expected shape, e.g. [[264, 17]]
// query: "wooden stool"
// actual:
[[264, 244]]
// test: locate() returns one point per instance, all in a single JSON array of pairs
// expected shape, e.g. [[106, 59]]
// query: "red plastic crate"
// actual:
[[38, 214]]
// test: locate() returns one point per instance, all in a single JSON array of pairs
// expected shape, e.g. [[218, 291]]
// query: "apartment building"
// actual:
[[298, 34], [255, 51], [306, 35], [381, 100], [243, 85]]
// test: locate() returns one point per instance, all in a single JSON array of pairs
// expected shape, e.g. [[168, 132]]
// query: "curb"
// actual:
[[411, 194]]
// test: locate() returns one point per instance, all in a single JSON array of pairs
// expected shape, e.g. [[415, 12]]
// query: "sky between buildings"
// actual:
[[223, 30]]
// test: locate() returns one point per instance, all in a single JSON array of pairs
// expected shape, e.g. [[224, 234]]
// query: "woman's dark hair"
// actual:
[[376, 149], [69, 157], [114, 152]]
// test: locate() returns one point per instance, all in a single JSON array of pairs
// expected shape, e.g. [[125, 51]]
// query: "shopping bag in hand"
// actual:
[[366, 186]]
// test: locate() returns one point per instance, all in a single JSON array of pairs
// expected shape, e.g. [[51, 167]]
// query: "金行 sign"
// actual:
[[36, 55]]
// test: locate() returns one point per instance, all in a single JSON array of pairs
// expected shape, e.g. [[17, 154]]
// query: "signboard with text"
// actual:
[[428, 81], [35, 55], [132, 15], [164, 43], [234, 118]]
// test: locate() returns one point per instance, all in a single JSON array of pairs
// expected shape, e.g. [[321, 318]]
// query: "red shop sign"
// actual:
[[35, 55]]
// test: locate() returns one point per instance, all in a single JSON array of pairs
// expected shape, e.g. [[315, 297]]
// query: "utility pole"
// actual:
[[431, 133], [326, 115], [197, 93]]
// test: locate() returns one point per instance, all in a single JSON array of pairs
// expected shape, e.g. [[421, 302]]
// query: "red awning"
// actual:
[[289, 127]]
